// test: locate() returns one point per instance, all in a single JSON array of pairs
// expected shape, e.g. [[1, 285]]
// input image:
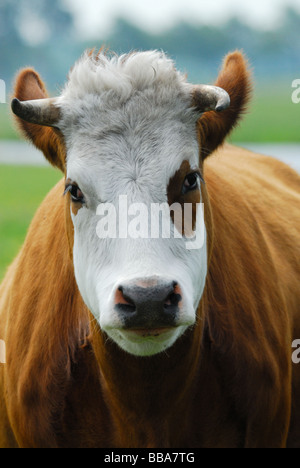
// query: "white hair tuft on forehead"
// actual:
[[124, 75]]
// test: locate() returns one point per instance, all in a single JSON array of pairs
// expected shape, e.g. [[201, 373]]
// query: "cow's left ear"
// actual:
[[214, 126], [37, 116]]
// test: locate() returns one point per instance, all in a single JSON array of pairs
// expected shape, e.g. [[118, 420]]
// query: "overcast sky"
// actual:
[[97, 16]]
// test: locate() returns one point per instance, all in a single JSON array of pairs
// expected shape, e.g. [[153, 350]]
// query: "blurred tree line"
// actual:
[[42, 34]]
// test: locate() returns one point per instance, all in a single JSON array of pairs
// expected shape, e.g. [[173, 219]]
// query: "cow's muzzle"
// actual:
[[148, 305]]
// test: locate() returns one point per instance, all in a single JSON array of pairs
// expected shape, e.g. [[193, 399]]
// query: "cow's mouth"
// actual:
[[146, 340], [149, 332]]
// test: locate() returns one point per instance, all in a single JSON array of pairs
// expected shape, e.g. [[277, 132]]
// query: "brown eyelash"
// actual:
[[67, 189], [200, 176]]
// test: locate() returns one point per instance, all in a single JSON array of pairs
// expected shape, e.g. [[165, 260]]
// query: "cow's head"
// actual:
[[131, 135]]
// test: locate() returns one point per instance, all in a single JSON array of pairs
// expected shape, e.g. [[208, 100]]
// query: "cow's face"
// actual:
[[131, 155], [135, 193], [143, 288]]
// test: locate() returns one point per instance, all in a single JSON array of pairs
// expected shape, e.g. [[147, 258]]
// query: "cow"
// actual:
[[131, 341]]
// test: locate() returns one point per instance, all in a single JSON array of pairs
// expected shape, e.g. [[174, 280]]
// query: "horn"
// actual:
[[40, 111], [206, 98]]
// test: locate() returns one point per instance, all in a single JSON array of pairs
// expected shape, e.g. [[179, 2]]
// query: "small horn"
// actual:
[[206, 98], [40, 111]]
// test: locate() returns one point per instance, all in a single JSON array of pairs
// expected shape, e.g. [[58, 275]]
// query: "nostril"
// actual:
[[123, 302], [172, 300]]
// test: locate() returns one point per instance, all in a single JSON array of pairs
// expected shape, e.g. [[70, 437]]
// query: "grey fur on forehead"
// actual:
[[117, 110], [117, 78]]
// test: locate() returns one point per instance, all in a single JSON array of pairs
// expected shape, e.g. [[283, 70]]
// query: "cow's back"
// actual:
[[247, 188], [254, 275]]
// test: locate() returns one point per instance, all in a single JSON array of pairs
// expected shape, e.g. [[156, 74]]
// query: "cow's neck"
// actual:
[[149, 398]]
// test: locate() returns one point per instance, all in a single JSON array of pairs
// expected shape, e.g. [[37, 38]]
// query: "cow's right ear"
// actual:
[[37, 115]]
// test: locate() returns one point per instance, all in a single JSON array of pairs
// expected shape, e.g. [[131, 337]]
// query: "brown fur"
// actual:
[[226, 383]]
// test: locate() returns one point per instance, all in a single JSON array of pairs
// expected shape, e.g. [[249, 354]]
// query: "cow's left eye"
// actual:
[[191, 182]]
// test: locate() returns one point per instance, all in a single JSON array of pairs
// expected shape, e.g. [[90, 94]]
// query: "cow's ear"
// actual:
[[36, 115], [214, 126]]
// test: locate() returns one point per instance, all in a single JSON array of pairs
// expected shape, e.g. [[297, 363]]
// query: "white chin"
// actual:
[[145, 342]]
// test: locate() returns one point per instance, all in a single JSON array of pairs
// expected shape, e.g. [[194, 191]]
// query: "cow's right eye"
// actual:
[[75, 192]]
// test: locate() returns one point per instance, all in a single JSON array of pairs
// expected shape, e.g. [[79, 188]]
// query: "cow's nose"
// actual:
[[148, 304]]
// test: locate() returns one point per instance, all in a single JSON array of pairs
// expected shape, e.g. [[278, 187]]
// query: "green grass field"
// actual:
[[8, 130], [21, 191], [272, 117]]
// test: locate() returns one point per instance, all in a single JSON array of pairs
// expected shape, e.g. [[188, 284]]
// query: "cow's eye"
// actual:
[[191, 182], [75, 192]]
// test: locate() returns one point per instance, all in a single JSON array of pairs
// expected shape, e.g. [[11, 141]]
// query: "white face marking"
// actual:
[[130, 142]]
